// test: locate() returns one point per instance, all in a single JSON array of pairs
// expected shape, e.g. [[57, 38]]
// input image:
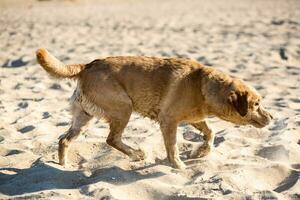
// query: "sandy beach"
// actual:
[[258, 41]]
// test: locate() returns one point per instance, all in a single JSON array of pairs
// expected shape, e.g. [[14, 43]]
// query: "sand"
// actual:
[[258, 41]]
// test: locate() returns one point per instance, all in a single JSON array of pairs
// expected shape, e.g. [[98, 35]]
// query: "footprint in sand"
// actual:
[[279, 99], [293, 70], [259, 87], [295, 100], [204, 60], [20, 62], [62, 124], [1, 138], [279, 125], [295, 166], [288, 182], [275, 153], [55, 86], [26, 129], [18, 86], [282, 53], [46, 115], [191, 136], [233, 71], [264, 195], [281, 104], [13, 152], [241, 66], [218, 140], [23, 104]]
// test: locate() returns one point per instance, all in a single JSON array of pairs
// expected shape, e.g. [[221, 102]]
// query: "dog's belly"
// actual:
[[146, 105]]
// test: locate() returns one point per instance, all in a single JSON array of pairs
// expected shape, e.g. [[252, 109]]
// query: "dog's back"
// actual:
[[146, 80]]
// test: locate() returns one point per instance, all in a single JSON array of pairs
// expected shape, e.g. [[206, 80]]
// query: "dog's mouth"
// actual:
[[258, 124]]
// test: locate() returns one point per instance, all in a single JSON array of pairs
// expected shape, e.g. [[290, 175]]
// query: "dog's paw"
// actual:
[[62, 161], [200, 151], [178, 164], [137, 155]]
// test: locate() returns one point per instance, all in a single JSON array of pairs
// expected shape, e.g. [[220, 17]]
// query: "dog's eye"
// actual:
[[256, 104]]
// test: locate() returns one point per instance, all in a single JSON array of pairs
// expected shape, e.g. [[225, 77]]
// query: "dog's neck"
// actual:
[[215, 87]]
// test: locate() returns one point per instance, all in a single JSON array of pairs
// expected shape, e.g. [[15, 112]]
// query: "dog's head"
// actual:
[[244, 105]]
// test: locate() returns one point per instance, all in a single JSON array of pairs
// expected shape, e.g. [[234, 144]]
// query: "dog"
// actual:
[[167, 90]]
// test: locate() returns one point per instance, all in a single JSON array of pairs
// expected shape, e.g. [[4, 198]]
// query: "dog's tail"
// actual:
[[56, 68]]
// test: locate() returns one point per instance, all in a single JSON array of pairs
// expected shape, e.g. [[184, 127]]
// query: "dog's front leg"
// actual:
[[168, 129], [208, 137]]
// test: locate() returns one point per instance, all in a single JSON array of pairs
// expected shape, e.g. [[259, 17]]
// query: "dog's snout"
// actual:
[[269, 117], [266, 114]]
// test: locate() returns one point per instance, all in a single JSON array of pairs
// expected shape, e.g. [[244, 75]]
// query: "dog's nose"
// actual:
[[264, 113]]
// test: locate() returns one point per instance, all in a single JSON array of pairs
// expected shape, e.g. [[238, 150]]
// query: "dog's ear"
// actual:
[[239, 101]]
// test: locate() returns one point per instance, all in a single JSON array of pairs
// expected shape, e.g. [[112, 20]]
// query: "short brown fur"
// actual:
[[167, 90]]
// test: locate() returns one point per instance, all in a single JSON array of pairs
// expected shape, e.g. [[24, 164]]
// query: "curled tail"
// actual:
[[56, 68]]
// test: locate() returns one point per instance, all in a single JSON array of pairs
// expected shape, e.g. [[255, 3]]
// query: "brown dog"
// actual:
[[167, 90]]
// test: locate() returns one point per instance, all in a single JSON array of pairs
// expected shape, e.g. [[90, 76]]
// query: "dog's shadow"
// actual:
[[41, 176]]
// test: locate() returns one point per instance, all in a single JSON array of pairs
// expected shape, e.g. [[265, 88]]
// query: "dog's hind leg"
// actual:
[[79, 121], [117, 124], [208, 137], [117, 108], [109, 96]]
